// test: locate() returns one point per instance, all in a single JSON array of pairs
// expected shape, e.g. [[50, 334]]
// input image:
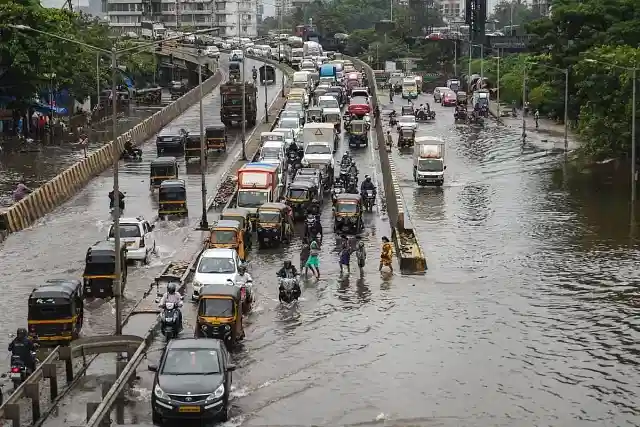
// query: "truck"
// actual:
[[258, 183], [428, 160], [319, 132], [231, 110]]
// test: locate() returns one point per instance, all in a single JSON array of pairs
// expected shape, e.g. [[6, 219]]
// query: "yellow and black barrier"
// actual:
[[62, 187], [408, 251]]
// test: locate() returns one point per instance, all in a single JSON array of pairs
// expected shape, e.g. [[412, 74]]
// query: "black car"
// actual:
[[192, 382], [171, 140]]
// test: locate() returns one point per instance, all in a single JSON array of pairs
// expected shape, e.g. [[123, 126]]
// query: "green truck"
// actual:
[[231, 110]]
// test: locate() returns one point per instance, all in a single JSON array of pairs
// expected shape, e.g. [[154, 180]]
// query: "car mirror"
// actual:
[[445, 167], [152, 227], [153, 368], [231, 368]]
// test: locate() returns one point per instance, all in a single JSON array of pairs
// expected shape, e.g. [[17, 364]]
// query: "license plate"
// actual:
[[266, 239], [190, 409], [16, 375]]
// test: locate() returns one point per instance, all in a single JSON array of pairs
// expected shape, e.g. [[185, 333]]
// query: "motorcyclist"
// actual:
[[172, 296], [293, 148], [23, 347], [353, 169], [288, 271], [314, 209], [244, 279], [367, 185], [346, 160], [112, 200]]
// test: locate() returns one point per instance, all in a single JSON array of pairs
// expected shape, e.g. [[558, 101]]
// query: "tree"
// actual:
[[511, 13]]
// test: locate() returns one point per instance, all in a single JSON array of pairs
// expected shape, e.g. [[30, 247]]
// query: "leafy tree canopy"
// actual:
[[511, 13]]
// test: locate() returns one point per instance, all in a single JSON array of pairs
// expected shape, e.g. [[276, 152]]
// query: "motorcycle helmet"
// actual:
[[171, 288], [21, 333], [287, 264], [353, 162], [242, 269], [367, 178]]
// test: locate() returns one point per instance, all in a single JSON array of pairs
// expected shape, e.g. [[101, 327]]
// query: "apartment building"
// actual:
[[450, 8], [126, 15], [283, 7]]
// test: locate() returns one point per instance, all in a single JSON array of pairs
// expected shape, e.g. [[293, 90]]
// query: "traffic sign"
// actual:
[[318, 132]]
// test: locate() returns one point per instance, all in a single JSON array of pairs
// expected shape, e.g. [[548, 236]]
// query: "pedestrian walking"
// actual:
[[361, 255], [314, 262], [386, 255], [345, 255], [305, 252]]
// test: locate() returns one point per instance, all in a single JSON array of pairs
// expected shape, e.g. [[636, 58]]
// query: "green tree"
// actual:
[[511, 13]]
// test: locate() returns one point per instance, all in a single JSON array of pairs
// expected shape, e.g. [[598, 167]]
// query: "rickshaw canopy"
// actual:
[[221, 291], [357, 126]]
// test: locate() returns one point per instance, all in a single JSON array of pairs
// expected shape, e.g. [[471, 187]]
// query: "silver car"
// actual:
[[437, 93]]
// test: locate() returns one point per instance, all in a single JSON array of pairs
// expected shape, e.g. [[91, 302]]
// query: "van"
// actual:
[[301, 79]]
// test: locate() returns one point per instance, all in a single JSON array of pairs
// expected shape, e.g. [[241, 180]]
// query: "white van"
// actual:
[[301, 79]]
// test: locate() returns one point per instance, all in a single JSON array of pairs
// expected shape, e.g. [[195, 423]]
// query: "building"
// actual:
[[126, 15], [450, 8], [541, 7], [283, 7]]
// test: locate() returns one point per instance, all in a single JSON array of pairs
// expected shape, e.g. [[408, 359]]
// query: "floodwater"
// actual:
[[525, 316]]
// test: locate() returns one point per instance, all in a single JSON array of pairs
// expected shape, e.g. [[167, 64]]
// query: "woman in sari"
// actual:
[[386, 255]]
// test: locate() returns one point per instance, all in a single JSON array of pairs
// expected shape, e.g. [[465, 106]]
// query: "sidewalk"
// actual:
[[547, 129]]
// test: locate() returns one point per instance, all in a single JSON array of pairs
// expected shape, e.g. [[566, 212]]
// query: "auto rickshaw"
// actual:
[[172, 198], [149, 96], [56, 311], [216, 137], [357, 132], [228, 233], [347, 214], [335, 118], [460, 113], [407, 110], [100, 269], [461, 98], [162, 169], [267, 74], [242, 215], [234, 70], [220, 314], [177, 89], [299, 196], [192, 148], [311, 175], [313, 112], [406, 137], [274, 224]]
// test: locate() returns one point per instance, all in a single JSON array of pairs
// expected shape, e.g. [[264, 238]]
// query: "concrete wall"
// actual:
[[61, 188]]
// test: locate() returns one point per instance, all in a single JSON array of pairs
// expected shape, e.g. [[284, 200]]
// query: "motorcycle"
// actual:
[[134, 154], [425, 115], [288, 290], [312, 226], [19, 372], [171, 325], [369, 199], [392, 121], [294, 161], [352, 184], [344, 174], [338, 188]]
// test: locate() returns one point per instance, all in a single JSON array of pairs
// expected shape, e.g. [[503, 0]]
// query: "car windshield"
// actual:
[[407, 119], [270, 152], [328, 103], [127, 230], [223, 236], [288, 133], [359, 100], [295, 193], [217, 266], [318, 149], [269, 216], [215, 307], [430, 165], [171, 195], [347, 208], [288, 123], [191, 362], [252, 199]]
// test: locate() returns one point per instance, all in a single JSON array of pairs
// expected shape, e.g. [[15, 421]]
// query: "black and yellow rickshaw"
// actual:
[[100, 270], [216, 137], [177, 89], [347, 214], [313, 112], [406, 137], [358, 135], [243, 216], [220, 314], [274, 224], [172, 198], [193, 146], [228, 233], [299, 196], [162, 169], [333, 117], [267, 74], [234, 70], [56, 311], [149, 96]]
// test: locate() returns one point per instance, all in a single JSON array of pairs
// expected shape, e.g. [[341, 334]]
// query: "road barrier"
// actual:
[[408, 250], [62, 187]]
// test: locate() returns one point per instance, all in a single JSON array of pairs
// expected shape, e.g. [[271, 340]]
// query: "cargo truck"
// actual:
[[428, 160], [231, 110]]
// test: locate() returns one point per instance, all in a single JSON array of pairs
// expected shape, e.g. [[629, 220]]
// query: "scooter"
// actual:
[[369, 198], [19, 371], [134, 154], [288, 290], [171, 324]]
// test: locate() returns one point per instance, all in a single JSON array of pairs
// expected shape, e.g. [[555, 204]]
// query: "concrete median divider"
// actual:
[[408, 251], [62, 187]]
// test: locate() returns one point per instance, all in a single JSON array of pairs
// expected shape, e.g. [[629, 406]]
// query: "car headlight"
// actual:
[[227, 327], [159, 393], [216, 394], [305, 163]]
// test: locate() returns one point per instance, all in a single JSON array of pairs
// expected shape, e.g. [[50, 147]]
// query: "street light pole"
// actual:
[[266, 104], [498, 86], [117, 282], [455, 57], [469, 74], [524, 101], [97, 78], [244, 96], [204, 223], [633, 140], [566, 110]]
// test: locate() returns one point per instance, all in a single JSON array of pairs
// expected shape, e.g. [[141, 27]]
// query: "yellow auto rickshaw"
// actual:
[[100, 269], [347, 214], [56, 311], [172, 198], [162, 169], [299, 196], [216, 137], [220, 314], [274, 224], [243, 216], [228, 233], [193, 146], [358, 133]]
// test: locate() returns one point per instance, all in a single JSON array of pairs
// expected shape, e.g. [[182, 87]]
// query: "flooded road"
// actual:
[[524, 317]]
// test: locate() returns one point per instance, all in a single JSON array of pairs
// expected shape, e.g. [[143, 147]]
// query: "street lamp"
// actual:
[[481, 46], [498, 85], [113, 53], [566, 100], [634, 70]]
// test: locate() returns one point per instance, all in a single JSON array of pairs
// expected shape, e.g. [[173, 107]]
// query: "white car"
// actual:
[[407, 122], [328, 101], [212, 52], [272, 152], [290, 123], [138, 237], [289, 135], [317, 152], [215, 267], [236, 55]]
